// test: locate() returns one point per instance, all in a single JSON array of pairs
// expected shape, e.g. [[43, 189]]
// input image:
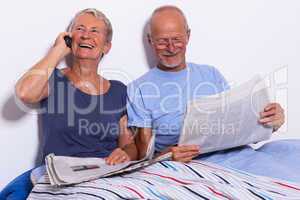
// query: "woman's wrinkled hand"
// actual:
[[60, 45], [117, 156]]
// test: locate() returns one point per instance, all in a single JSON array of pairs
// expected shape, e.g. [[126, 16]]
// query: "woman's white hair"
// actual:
[[99, 15]]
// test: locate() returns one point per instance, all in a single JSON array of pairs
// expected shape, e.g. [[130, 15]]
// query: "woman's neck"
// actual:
[[86, 70], [84, 75]]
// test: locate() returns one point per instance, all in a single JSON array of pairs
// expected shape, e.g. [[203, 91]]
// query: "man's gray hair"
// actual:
[[99, 15], [165, 8]]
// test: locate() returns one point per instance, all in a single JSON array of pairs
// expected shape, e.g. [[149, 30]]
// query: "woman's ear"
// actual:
[[107, 47]]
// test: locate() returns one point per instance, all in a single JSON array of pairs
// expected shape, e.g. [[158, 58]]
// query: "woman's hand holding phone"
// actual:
[[62, 43], [68, 41]]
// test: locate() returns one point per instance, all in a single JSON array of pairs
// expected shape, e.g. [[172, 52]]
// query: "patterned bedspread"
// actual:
[[173, 180]]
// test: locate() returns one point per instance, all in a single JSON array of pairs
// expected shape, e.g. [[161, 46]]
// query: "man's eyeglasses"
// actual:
[[163, 43]]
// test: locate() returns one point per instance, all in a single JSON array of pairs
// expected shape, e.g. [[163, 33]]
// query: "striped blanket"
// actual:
[[173, 180]]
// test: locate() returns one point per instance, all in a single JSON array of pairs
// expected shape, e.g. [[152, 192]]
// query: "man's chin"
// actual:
[[171, 65]]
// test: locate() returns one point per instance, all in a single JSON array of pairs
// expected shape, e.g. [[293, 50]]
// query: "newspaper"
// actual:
[[227, 120], [65, 170]]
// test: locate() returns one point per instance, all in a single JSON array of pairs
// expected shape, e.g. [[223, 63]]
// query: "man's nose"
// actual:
[[171, 46]]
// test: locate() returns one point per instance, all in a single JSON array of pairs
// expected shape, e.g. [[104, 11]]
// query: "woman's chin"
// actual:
[[86, 57]]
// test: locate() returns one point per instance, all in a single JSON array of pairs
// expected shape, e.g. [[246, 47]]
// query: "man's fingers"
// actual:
[[187, 148], [272, 115], [190, 154], [271, 118], [268, 113], [180, 156], [266, 120], [270, 106], [186, 159], [275, 123], [185, 152]]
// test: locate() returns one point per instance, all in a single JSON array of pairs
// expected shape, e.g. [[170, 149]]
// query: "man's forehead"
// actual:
[[168, 21], [166, 16], [168, 27]]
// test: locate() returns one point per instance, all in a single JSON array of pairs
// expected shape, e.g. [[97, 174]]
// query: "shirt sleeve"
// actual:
[[138, 114], [220, 80], [124, 100]]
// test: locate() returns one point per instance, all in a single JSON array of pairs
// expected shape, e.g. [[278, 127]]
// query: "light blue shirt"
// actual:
[[158, 99]]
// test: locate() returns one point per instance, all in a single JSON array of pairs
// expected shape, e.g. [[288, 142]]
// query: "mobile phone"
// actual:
[[68, 41]]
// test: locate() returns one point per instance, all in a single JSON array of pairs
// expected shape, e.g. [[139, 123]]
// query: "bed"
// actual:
[[222, 175]]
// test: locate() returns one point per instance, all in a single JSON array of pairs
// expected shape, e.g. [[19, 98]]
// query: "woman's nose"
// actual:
[[85, 35]]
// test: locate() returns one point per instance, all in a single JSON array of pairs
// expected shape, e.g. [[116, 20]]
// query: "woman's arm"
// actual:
[[126, 139], [126, 150], [33, 85], [142, 141]]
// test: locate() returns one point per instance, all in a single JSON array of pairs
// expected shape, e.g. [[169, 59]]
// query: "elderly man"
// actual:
[[157, 100]]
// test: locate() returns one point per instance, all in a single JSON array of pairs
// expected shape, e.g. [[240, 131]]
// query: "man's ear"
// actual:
[[188, 34], [149, 38]]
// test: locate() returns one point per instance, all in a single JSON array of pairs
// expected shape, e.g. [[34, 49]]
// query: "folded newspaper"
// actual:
[[65, 170], [227, 120]]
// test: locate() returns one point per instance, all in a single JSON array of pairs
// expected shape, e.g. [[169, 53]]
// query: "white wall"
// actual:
[[241, 38]]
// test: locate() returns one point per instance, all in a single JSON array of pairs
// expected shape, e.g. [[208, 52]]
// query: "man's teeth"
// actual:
[[170, 55]]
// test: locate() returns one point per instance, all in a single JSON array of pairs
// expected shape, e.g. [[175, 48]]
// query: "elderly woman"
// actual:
[[85, 114]]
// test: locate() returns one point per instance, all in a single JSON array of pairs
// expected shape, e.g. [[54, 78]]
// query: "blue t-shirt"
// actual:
[[158, 99], [75, 123]]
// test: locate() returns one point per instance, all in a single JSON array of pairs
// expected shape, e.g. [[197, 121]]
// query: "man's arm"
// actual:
[[184, 153]]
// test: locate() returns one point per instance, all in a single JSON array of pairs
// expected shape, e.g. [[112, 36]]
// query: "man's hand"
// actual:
[[272, 115], [117, 156], [184, 153]]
